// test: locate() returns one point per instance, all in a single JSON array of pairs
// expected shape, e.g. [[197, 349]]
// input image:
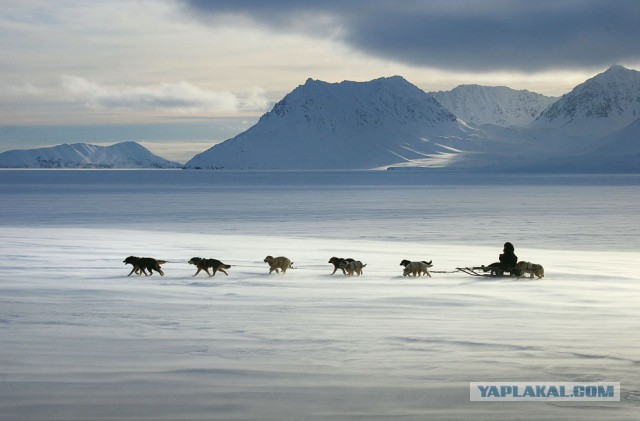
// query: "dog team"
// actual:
[[508, 262], [349, 267]]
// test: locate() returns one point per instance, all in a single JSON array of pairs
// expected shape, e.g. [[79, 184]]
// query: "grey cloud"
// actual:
[[462, 35]]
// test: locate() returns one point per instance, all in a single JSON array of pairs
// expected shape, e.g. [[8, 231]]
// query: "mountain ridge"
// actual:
[[389, 123], [85, 155], [604, 103], [498, 105], [346, 125]]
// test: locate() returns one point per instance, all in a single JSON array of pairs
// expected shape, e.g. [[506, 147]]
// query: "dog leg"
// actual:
[[223, 271]]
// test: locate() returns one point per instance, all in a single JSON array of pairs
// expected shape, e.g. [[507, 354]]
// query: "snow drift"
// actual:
[[82, 341]]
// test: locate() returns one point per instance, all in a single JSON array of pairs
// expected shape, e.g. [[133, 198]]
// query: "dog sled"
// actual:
[[496, 271], [489, 271]]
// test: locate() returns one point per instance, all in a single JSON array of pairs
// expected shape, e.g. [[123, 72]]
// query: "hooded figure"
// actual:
[[508, 259], [507, 263]]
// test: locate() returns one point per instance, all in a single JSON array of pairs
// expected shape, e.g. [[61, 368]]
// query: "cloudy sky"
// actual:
[[180, 75]]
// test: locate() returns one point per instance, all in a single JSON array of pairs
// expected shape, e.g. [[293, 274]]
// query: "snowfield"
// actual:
[[82, 341]]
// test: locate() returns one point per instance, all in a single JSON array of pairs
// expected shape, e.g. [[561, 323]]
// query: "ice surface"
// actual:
[[82, 341]]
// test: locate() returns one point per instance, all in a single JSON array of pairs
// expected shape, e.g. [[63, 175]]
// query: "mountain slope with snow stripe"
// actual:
[[347, 125]]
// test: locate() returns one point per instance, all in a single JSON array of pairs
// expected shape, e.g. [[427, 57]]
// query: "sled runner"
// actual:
[[492, 271]]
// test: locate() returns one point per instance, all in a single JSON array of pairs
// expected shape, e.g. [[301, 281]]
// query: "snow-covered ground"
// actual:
[[82, 341]]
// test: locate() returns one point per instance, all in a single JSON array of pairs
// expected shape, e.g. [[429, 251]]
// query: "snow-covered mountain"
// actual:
[[389, 122], [347, 125], [603, 104], [497, 105], [83, 155]]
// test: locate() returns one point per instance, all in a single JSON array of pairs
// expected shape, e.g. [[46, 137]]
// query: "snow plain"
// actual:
[[82, 341]]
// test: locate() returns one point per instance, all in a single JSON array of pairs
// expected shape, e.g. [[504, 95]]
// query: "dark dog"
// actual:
[[141, 263], [206, 264], [338, 262]]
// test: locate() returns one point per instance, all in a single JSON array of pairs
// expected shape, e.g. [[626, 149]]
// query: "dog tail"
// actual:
[[365, 265], [162, 262], [226, 266], [428, 263]]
